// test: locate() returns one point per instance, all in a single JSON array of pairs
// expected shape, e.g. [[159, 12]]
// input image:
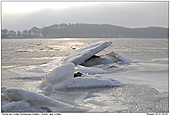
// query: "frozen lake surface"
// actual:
[[141, 86]]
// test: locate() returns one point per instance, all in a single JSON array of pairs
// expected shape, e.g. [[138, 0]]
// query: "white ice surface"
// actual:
[[78, 56]]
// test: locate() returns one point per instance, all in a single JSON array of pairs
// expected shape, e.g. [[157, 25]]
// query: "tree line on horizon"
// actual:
[[87, 31]]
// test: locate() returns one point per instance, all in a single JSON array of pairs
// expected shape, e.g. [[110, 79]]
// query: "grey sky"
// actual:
[[129, 14]]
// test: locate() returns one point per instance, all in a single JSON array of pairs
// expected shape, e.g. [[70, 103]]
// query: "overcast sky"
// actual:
[[23, 15]]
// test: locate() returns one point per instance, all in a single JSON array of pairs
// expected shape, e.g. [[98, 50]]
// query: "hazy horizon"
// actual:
[[25, 15]]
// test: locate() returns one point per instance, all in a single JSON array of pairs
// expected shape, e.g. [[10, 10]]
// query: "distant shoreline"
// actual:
[[87, 31], [80, 38]]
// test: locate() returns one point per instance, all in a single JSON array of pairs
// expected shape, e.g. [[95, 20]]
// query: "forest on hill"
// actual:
[[87, 31]]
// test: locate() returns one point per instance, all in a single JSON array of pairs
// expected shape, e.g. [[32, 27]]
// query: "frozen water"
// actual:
[[127, 87]]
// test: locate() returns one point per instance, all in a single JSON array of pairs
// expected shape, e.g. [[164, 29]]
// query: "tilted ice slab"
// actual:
[[124, 59], [62, 77], [78, 56]]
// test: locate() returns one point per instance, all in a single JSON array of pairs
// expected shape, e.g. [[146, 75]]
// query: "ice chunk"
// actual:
[[124, 58], [78, 56], [119, 58], [16, 94], [58, 77]]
